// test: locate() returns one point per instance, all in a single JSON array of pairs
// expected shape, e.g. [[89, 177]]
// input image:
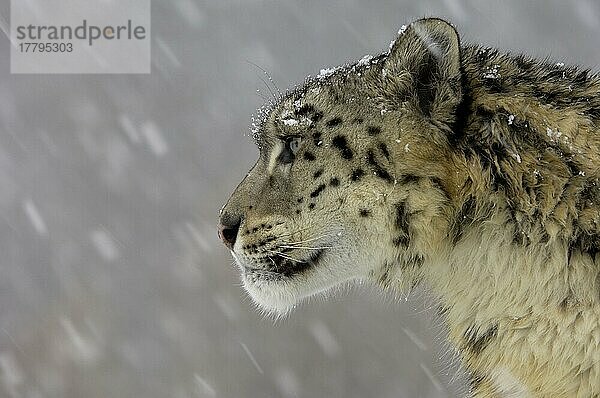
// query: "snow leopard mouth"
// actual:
[[284, 267]]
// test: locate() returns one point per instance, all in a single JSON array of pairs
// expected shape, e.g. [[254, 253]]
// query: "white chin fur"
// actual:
[[274, 297], [277, 294]]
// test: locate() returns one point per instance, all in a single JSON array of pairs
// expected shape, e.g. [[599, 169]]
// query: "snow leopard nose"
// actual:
[[229, 226]]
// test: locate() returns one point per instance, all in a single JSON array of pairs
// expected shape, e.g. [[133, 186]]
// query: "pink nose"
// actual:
[[228, 230]]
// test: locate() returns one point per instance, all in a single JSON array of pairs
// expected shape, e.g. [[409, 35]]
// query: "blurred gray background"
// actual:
[[112, 280]]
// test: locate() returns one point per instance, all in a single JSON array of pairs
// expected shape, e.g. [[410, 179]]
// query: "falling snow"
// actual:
[[154, 138], [115, 283], [11, 375], [204, 389], [434, 380], [82, 348], [287, 382], [415, 339], [34, 216], [105, 245], [252, 359], [325, 338]]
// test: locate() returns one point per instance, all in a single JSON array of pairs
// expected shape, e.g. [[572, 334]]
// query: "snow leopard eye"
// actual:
[[294, 144], [290, 148]]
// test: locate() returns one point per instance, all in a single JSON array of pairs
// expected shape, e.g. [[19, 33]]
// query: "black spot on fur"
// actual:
[[364, 213], [414, 261], [492, 155], [334, 122], [402, 224], [495, 85], [521, 238], [484, 113], [593, 113], [317, 138], [376, 167], [315, 117], [569, 300], [317, 191], [339, 141], [384, 150], [462, 114], [436, 182], [373, 130], [300, 200], [318, 173], [409, 179], [476, 342], [384, 277], [545, 238], [334, 182], [298, 211], [585, 243], [546, 96], [482, 57], [475, 381], [357, 174], [556, 74], [582, 78], [401, 241], [311, 206], [524, 63], [442, 311], [309, 156]]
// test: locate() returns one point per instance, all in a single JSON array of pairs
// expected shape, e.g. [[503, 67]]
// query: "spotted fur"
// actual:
[[468, 170]]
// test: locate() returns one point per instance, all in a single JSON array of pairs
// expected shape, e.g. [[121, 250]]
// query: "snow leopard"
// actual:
[[456, 167]]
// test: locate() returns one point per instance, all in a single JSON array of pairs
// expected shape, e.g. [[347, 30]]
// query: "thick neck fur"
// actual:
[[517, 274]]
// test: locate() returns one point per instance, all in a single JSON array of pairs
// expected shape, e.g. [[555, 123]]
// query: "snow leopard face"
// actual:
[[349, 164]]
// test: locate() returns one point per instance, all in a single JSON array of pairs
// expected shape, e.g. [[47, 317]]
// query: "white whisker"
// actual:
[[293, 232], [282, 255], [310, 239], [305, 247]]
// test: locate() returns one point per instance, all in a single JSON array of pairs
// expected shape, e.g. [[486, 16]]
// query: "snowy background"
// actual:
[[112, 280]]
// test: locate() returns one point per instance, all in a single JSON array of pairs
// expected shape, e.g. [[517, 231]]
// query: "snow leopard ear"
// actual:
[[423, 69]]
